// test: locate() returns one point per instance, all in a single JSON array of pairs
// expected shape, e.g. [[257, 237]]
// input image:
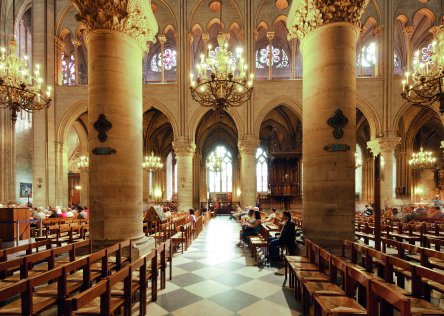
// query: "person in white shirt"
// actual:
[[69, 213], [271, 217]]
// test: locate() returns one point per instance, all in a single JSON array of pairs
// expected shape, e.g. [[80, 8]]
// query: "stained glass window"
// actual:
[[221, 181], [396, 61], [368, 56], [279, 58], [169, 61], [68, 70], [261, 170]]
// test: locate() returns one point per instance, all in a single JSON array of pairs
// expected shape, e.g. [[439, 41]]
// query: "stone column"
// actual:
[[377, 34], [184, 150], [386, 147], [84, 192], [247, 150], [329, 31], [76, 43], [270, 36], [116, 43], [408, 31], [162, 40]]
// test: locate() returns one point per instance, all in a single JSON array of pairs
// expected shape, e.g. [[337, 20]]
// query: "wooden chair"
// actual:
[[381, 292], [98, 300]]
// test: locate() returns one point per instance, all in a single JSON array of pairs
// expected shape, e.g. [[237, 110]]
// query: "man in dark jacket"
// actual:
[[287, 237]]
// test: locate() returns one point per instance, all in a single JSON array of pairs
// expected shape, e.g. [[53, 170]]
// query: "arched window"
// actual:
[[169, 61], [424, 55], [261, 170], [24, 122], [367, 58], [279, 58], [358, 171], [220, 178], [68, 69], [171, 177]]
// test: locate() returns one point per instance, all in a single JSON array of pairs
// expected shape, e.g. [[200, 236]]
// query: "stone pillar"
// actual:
[[76, 43], [247, 150], [162, 40], [7, 158], [329, 31], [116, 43], [84, 192], [408, 31], [386, 147], [184, 150], [270, 36]]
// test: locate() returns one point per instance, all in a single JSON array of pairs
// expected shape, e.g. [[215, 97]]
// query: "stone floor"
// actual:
[[214, 277]]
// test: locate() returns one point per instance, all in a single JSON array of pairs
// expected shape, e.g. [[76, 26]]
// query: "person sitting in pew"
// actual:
[[250, 227], [271, 217], [287, 237]]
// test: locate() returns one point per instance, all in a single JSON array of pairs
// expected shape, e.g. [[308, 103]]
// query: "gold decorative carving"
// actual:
[[183, 147], [133, 17], [248, 147], [307, 15]]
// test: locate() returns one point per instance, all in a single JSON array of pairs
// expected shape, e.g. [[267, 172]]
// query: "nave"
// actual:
[[214, 277]]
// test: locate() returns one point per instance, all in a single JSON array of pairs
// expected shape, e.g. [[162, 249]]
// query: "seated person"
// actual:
[[270, 218], [368, 210], [54, 214], [250, 227], [82, 214], [287, 238], [192, 218]]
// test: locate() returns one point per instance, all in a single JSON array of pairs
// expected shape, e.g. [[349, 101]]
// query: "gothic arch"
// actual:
[[405, 106], [372, 118], [68, 119], [152, 103], [200, 113], [282, 100]]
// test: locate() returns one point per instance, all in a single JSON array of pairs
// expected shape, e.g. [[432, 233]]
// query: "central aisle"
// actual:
[[214, 277]]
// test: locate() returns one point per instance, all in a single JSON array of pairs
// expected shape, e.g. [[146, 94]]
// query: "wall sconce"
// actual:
[[182, 181], [39, 182], [78, 187]]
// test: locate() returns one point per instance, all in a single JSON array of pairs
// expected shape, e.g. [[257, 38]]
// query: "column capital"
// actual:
[[270, 36], [378, 30], [162, 39], [76, 43], [248, 147], [133, 17], [190, 37], [408, 30], [205, 37], [307, 15], [383, 145], [183, 147]]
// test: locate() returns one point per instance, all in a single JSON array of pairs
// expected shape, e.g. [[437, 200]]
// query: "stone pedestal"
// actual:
[[184, 151], [385, 146], [329, 55], [247, 150]]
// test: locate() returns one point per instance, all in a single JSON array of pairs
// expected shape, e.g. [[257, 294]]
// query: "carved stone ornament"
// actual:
[[248, 147], [307, 15], [338, 122], [133, 17], [102, 125], [183, 147]]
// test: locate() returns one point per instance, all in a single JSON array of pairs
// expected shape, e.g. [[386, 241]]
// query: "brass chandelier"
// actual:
[[152, 163], [422, 160], [425, 84], [222, 79], [83, 164], [215, 163]]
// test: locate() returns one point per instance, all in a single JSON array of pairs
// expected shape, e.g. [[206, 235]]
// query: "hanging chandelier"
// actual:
[[215, 163], [83, 164], [425, 84], [152, 163], [422, 160], [20, 89], [222, 80]]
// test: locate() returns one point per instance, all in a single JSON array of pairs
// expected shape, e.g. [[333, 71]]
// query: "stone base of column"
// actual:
[[141, 245]]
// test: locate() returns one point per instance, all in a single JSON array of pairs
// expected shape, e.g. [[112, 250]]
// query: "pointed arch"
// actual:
[[270, 106], [152, 103]]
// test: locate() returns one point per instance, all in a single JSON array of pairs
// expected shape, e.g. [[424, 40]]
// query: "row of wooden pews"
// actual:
[[359, 282], [93, 283], [186, 233]]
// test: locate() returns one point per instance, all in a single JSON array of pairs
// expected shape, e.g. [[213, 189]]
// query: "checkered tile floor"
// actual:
[[214, 277]]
